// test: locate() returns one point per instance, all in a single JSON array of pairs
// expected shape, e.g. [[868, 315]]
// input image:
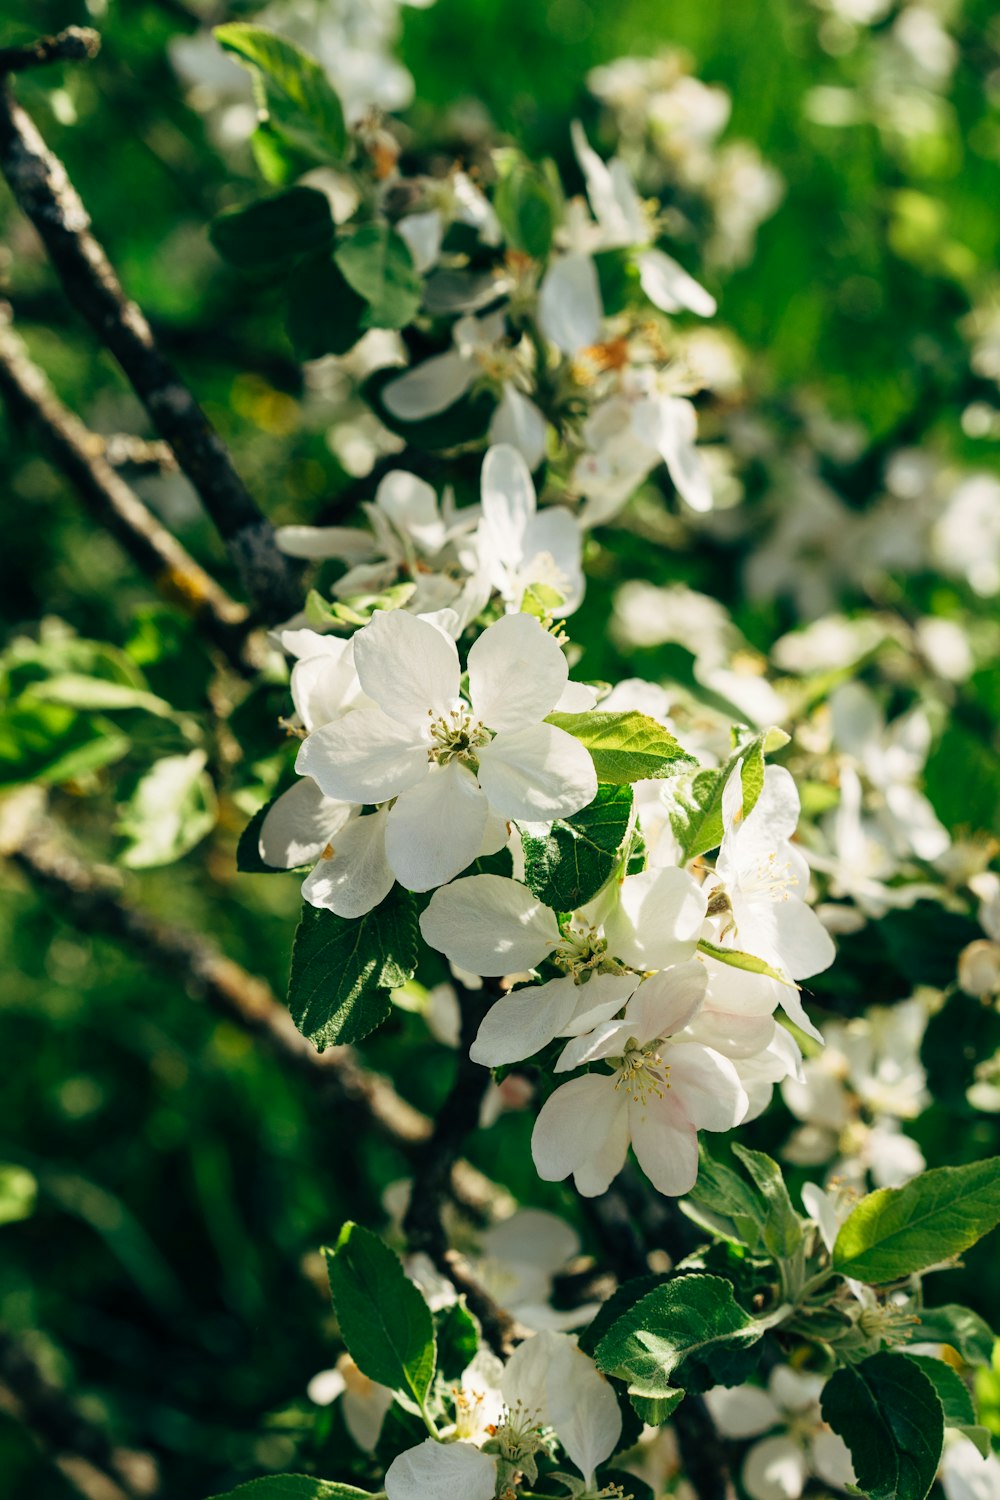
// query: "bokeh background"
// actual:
[[168, 1180]]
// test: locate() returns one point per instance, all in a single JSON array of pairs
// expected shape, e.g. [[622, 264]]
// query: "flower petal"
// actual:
[[665, 1143], [669, 287], [707, 1086], [356, 877], [569, 304], [435, 830], [517, 673], [775, 1469], [668, 1001], [658, 919], [518, 421], [433, 1469], [575, 1124], [489, 925], [581, 1406], [363, 757], [299, 825], [430, 387], [345, 542], [412, 506], [677, 432], [742, 1411], [523, 1021], [407, 666], [537, 774], [508, 500], [598, 1000]]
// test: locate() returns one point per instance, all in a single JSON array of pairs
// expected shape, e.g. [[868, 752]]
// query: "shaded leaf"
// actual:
[[384, 1320], [567, 868], [888, 1413]]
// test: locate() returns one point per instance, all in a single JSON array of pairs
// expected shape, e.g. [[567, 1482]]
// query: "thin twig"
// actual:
[[436, 1161], [78, 1447], [44, 192], [123, 450], [82, 456], [75, 44]]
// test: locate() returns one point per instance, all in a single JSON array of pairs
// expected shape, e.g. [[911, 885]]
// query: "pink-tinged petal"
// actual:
[[667, 1002], [658, 920], [356, 876], [598, 1172], [707, 1086], [363, 757], [299, 825], [489, 925], [407, 666], [523, 1021], [436, 829], [665, 1143], [430, 387], [574, 1125], [733, 1035], [537, 774], [516, 673]]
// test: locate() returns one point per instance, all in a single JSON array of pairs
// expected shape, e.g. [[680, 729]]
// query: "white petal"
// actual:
[[537, 774], [517, 673], [707, 1085], [363, 757], [364, 1412], [508, 500], [795, 1390], [677, 449], [407, 666], [553, 550], [300, 824], [741, 1411], [325, 686], [344, 542], [668, 1001], [832, 1461], [801, 939], [669, 287], [775, 1469], [412, 506], [435, 830], [595, 1175], [658, 919], [665, 1143], [733, 1035], [429, 388], [532, 1237], [569, 304], [422, 233], [606, 1039], [582, 1407], [575, 1124], [524, 1021], [598, 1000], [576, 698], [489, 925], [434, 1469], [356, 877], [518, 421]]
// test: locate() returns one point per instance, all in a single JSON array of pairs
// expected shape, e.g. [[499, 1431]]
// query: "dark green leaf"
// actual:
[[655, 1410], [384, 1320], [621, 1299], [782, 1228], [897, 1231], [688, 1327], [697, 816], [966, 1332], [376, 262], [625, 747], [324, 313], [343, 970], [567, 868], [889, 1415], [296, 91], [457, 1333], [273, 231], [528, 205], [293, 1487], [956, 1401], [733, 1208]]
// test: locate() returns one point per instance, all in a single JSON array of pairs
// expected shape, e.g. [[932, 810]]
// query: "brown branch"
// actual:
[[435, 1165], [123, 450], [75, 44], [45, 194], [92, 900], [703, 1453], [78, 1447], [83, 457]]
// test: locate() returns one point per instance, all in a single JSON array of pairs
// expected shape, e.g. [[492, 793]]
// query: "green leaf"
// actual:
[[724, 1203], [965, 1331], [297, 94], [782, 1228], [655, 1410], [376, 262], [384, 1320], [568, 867], [18, 1191], [956, 1401], [343, 969], [273, 231], [888, 1413], [528, 203], [457, 1333], [687, 1326], [736, 959], [52, 744], [324, 313], [896, 1231], [625, 747], [96, 693], [293, 1487], [697, 817], [171, 810]]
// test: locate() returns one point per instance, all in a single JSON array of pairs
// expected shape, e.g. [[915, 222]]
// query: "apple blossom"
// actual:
[[778, 1467]]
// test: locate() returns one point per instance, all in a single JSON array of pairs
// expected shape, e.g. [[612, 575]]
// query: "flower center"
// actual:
[[456, 736], [519, 1433], [642, 1071], [582, 948], [773, 878], [469, 1424]]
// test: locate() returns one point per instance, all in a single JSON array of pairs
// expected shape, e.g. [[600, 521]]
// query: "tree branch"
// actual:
[[83, 457], [75, 44], [435, 1164], [45, 194], [82, 1451]]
